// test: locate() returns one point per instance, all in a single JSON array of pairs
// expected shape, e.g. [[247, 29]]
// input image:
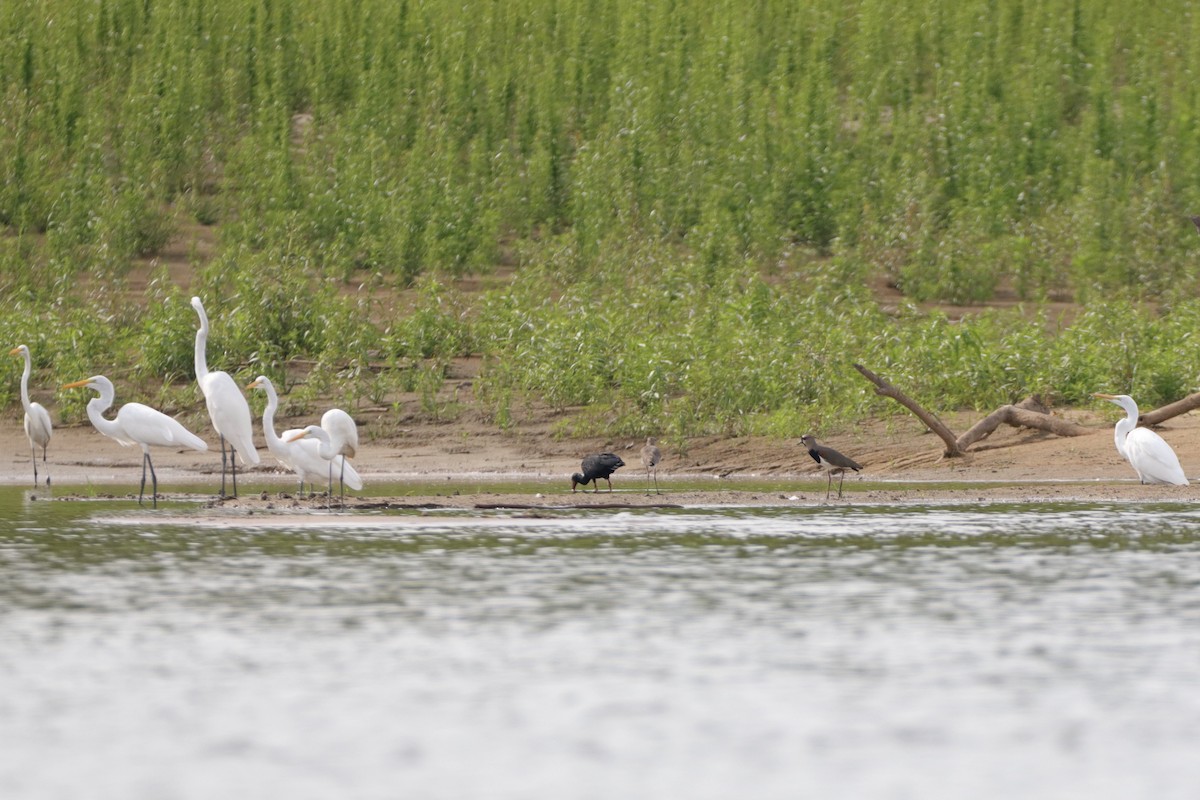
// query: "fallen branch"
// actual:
[[1161, 415], [1019, 417], [885, 389], [1029, 413]]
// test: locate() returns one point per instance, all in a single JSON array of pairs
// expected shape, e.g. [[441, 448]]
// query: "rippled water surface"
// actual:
[[827, 652]]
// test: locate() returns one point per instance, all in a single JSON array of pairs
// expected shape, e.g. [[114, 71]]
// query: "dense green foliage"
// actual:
[[746, 354], [698, 195]]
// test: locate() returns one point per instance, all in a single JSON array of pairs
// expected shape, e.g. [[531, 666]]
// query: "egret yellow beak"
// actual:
[[76, 384], [298, 437], [1100, 396], [16, 351], [254, 384]]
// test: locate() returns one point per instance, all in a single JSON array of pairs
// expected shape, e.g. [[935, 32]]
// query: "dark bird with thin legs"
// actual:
[[651, 456], [595, 467], [829, 460]]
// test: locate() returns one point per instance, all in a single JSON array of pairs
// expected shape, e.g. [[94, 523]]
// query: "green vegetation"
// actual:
[[697, 198]]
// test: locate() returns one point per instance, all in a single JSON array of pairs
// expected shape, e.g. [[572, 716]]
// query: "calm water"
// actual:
[[834, 652]]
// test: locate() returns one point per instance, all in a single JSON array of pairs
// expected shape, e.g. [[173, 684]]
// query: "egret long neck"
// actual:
[[272, 438], [201, 343], [1121, 431], [326, 444], [25, 381], [95, 411]]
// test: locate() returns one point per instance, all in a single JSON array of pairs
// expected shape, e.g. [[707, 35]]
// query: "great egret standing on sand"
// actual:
[[831, 461], [37, 418], [300, 455], [227, 407], [316, 435], [276, 446], [343, 438], [136, 424], [1151, 458]]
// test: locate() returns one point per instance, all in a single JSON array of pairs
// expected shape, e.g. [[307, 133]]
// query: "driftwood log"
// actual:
[[1161, 415], [1029, 413]]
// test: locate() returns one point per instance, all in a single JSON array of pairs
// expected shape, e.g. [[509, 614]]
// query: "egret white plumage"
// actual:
[[343, 438], [1150, 456], [136, 424], [38, 427], [277, 446], [227, 407], [831, 461], [651, 456], [315, 441]]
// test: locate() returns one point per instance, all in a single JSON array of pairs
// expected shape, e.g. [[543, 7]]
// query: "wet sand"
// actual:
[[444, 467]]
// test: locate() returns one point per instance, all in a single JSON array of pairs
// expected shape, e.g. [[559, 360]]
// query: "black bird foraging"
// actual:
[[829, 460], [596, 467]]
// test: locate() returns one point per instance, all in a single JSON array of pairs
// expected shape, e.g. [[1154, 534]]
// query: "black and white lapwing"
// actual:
[[829, 460]]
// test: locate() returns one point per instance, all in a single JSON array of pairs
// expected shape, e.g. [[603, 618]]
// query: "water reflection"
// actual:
[[954, 651]]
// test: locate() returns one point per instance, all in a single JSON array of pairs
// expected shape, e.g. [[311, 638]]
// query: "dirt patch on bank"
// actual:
[[901, 463]]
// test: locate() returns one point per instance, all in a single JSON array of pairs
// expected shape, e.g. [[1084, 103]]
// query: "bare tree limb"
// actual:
[[1019, 417], [1029, 413], [1160, 415], [885, 389], [1034, 403]]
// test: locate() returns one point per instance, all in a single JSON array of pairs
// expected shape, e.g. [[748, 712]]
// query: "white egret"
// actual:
[[343, 438], [37, 419], [301, 457], [1151, 458], [324, 450], [227, 407], [136, 424], [275, 446], [651, 456]]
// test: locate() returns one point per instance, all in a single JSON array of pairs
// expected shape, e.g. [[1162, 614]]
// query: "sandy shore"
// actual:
[[454, 466]]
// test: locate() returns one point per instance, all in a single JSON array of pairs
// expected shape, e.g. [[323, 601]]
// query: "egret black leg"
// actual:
[[233, 469], [329, 495], [153, 481], [43, 466], [222, 466], [142, 488], [33, 458]]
